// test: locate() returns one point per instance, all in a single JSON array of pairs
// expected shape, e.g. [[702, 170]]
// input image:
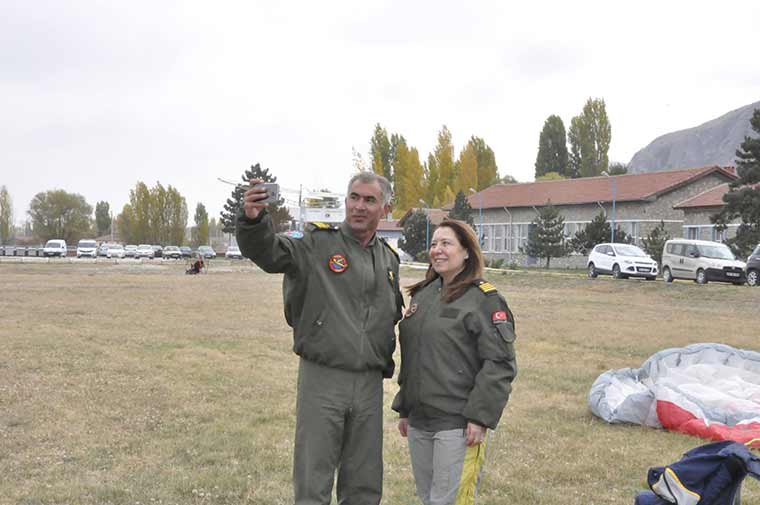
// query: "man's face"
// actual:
[[364, 207]]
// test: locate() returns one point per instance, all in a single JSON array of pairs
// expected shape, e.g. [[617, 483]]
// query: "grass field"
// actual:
[[129, 384]]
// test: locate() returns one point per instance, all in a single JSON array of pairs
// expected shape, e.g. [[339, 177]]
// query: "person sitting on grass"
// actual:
[[196, 266]]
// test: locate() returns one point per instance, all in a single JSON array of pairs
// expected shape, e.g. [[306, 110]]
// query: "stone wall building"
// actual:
[[635, 202]]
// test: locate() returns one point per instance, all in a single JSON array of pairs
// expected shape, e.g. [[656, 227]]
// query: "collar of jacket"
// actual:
[[346, 230]]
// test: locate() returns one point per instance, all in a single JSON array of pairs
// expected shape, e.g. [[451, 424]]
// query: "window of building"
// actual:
[[691, 232], [498, 238], [718, 236]]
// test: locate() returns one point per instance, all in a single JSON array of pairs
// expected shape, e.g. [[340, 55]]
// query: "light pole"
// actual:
[[614, 195], [427, 224], [480, 238]]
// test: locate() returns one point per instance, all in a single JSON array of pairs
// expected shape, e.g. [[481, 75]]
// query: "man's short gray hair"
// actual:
[[369, 178]]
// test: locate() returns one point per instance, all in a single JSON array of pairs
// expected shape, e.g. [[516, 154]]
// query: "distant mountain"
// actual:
[[712, 143]]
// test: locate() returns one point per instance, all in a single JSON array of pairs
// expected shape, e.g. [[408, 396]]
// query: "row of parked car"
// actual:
[[698, 260], [87, 248]]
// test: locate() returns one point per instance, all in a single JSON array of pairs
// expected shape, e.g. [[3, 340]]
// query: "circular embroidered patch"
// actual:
[[338, 263]]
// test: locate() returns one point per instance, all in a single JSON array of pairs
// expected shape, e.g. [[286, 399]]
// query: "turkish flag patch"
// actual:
[[499, 316]]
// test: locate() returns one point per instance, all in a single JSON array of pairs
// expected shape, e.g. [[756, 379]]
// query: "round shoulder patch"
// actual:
[[338, 263]]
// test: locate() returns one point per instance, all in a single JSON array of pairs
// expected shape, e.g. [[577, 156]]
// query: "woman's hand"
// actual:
[[475, 434], [403, 426]]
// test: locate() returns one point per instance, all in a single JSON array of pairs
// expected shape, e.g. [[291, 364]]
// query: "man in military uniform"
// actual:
[[342, 299]]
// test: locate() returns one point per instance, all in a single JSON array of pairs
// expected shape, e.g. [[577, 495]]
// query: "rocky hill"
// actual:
[[712, 143]]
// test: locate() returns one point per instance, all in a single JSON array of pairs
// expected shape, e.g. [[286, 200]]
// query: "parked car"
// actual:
[[233, 252], [144, 251], [186, 251], [103, 249], [55, 247], [207, 251], [172, 252], [158, 251], [621, 261], [130, 250], [701, 261], [753, 267], [116, 251], [87, 247]]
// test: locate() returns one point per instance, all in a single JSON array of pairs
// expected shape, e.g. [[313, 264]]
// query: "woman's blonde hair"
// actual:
[[473, 265]]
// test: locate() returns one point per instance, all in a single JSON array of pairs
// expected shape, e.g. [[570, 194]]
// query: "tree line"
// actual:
[[156, 215], [437, 180], [589, 140]]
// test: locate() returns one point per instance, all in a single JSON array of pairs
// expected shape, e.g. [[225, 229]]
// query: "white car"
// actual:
[[87, 248], [55, 247], [233, 252], [621, 261], [144, 251], [115, 251]]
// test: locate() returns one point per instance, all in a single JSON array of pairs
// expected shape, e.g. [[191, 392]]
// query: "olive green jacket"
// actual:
[[457, 357], [341, 299]]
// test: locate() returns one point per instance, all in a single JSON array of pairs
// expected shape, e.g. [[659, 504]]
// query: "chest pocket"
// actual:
[[450, 313]]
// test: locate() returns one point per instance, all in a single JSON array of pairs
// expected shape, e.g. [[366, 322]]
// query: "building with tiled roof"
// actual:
[[636, 202]]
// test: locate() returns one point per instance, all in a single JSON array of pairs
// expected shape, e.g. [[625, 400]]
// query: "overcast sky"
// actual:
[[99, 95]]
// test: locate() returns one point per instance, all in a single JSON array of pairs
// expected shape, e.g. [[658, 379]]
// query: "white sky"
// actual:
[[97, 95]]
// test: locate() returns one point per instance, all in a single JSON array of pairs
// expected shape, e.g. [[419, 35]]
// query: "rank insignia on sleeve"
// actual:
[[338, 263], [499, 316]]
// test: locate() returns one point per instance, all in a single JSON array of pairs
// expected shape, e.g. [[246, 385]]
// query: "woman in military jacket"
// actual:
[[457, 366]]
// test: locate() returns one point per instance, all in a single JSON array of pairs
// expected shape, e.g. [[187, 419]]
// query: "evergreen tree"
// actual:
[[6, 216], [546, 236], [743, 198], [655, 241], [617, 168], [380, 152], [103, 218], [200, 231], [462, 210], [552, 148], [597, 231], [589, 136], [415, 233], [279, 213]]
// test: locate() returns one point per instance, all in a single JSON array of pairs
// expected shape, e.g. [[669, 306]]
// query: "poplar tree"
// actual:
[[444, 162], [589, 136], [102, 218], [6, 216], [743, 197], [552, 148], [380, 152], [488, 172], [200, 231], [467, 169]]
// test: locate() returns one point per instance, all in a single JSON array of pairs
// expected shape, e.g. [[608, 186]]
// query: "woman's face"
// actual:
[[447, 255]]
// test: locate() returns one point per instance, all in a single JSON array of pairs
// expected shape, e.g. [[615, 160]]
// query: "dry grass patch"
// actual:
[[123, 384]]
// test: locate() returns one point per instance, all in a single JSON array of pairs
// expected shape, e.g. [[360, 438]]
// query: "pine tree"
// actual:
[[552, 148], [743, 198], [462, 210], [597, 231], [655, 241], [277, 210], [546, 236], [415, 233]]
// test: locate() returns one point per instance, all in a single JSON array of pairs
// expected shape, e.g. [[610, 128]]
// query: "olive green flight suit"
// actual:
[[342, 301]]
